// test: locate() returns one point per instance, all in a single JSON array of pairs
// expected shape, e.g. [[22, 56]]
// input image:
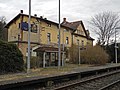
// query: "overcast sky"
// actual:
[[73, 10]]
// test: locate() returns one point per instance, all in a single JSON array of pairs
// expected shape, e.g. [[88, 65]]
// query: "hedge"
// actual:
[[11, 58]]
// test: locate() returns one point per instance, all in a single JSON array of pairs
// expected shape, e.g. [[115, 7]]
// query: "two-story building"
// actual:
[[79, 34], [44, 36]]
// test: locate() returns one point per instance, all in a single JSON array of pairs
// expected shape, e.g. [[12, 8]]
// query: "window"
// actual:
[[82, 43], [58, 38], [78, 31], [67, 40], [24, 26], [27, 50], [34, 28], [48, 24], [19, 25], [88, 43], [48, 37], [81, 32], [65, 30], [78, 41]]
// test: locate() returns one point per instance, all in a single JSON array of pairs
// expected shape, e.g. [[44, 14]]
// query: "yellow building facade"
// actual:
[[45, 33]]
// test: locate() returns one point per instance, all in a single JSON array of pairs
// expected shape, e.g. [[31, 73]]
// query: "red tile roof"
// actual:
[[74, 26]]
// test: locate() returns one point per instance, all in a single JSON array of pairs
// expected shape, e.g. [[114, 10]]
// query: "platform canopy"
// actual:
[[47, 49]]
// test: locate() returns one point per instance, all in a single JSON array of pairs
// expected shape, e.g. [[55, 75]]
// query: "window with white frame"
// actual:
[[82, 43], [78, 31], [67, 40], [78, 41], [49, 37], [58, 38]]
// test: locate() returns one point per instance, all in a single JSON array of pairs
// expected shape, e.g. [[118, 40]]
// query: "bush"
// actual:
[[73, 50], [11, 59], [91, 55], [94, 55], [35, 62]]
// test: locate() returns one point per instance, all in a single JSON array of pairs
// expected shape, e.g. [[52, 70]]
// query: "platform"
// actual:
[[24, 78]]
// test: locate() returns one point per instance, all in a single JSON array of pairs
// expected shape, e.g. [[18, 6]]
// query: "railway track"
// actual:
[[112, 86], [98, 82]]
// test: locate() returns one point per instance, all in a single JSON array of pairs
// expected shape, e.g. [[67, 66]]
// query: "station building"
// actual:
[[44, 37]]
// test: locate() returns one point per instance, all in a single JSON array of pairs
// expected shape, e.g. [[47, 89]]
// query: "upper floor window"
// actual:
[[81, 32], [78, 41], [48, 24], [34, 28], [78, 31], [65, 30], [67, 40], [49, 37], [19, 25], [58, 38], [88, 43], [24, 26], [82, 43]]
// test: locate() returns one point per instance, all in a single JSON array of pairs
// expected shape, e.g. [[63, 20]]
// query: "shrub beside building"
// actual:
[[91, 55], [11, 58], [94, 55]]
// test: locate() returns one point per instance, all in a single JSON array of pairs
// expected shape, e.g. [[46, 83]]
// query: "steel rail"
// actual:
[[67, 86], [109, 85]]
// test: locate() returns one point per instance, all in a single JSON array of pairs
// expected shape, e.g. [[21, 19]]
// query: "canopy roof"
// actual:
[[47, 49]]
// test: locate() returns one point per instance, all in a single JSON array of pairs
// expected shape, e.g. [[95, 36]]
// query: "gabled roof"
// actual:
[[68, 25], [74, 26], [38, 18], [11, 21]]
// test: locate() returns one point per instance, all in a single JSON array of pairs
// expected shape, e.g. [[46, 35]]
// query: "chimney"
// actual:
[[41, 17], [45, 18], [21, 11], [35, 15], [64, 19]]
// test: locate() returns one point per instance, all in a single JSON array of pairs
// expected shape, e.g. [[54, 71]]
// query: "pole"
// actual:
[[63, 50], [79, 51], [59, 51], [29, 30], [38, 33], [115, 48], [44, 60]]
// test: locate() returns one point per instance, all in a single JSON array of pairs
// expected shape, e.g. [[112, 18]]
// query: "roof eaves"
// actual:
[[79, 35], [90, 39], [84, 28], [45, 20], [9, 23]]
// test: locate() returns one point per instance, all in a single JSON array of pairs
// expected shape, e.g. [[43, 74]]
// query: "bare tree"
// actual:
[[104, 26], [2, 19], [2, 29]]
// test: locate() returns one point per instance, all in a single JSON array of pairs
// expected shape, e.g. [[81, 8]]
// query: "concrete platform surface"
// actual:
[[50, 72]]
